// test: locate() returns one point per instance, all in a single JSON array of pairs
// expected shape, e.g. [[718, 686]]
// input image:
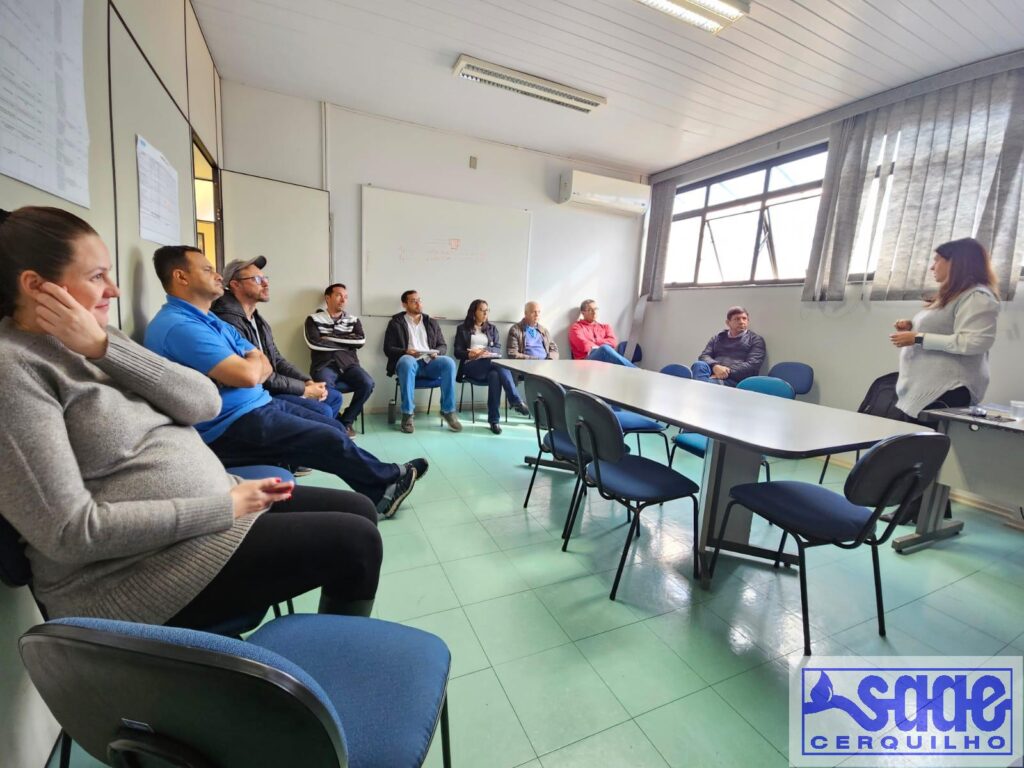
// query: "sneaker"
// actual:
[[396, 493], [407, 423], [350, 432], [521, 408], [420, 465], [496, 428], [452, 420], [302, 471]]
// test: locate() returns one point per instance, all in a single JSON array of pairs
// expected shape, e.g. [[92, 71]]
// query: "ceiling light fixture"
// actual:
[[513, 80], [710, 15]]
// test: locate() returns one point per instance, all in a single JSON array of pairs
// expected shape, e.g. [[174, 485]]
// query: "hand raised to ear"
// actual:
[[60, 315]]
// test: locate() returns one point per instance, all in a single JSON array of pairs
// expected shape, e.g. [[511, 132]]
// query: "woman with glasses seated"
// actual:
[[476, 344], [124, 512]]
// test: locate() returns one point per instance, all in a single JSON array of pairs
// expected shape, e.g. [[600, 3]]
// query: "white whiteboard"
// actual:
[[449, 251]]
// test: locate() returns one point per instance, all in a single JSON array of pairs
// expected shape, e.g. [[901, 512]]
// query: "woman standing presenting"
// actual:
[[476, 342], [124, 511], [944, 349]]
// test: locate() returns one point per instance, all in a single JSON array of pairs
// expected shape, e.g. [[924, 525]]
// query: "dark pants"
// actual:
[[321, 537], [497, 379], [328, 407], [283, 433], [357, 379]]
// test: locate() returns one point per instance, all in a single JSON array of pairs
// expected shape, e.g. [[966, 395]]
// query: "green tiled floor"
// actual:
[[548, 673]]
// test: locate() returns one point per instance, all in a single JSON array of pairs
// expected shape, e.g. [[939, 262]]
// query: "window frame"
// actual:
[[765, 198]]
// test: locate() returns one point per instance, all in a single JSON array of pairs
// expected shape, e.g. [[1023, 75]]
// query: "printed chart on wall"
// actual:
[[44, 136], [159, 220], [451, 252]]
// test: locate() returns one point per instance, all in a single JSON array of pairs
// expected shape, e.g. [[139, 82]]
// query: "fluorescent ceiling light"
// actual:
[[513, 80], [710, 15]]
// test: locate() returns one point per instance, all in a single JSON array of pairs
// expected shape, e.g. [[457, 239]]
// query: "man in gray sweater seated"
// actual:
[[245, 286], [733, 354]]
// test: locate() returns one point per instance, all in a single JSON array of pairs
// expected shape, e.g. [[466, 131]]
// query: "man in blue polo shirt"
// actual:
[[252, 427]]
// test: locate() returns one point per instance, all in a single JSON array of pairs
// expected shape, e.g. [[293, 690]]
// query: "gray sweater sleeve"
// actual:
[[54, 511], [185, 395]]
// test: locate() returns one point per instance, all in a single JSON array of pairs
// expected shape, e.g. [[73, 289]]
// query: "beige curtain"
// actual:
[[659, 225]]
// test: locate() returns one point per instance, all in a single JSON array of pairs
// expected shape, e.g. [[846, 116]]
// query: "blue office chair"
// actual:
[[799, 376], [345, 389], [895, 471], [422, 382], [636, 424], [316, 691], [767, 385], [462, 379], [633, 481], [678, 370], [638, 351]]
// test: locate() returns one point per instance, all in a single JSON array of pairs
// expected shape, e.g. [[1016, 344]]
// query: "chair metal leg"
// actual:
[[824, 469], [696, 541], [804, 614], [472, 403], [878, 590], [291, 605], [767, 471], [718, 538], [782, 546], [639, 449], [667, 454], [625, 551], [578, 496], [65, 749], [277, 610], [446, 751], [672, 455], [462, 394], [536, 466], [430, 400]]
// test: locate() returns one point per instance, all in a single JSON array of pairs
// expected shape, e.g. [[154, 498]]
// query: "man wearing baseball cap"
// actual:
[[245, 286]]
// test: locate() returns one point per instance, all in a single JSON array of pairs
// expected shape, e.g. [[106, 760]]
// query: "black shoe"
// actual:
[[496, 428], [521, 408], [396, 493], [420, 465], [301, 471]]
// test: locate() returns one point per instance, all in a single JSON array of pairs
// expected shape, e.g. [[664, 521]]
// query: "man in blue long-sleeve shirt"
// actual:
[[733, 354]]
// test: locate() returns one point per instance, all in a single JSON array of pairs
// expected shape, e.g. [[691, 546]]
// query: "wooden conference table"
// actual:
[[741, 425]]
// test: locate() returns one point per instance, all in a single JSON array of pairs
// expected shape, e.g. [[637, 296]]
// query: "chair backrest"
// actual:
[[677, 369], [800, 376], [15, 570], [638, 351], [151, 689], [768, 385], [593, 427], [546, 400]]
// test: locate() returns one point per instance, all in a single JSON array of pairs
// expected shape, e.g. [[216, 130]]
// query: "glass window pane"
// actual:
[[728, 248], [792, 226], [748, 185], [800, 171], [689, 201], [681, 260], [763, 270]]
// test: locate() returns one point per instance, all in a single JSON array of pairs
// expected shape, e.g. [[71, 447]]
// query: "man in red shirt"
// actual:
[[591, 340]]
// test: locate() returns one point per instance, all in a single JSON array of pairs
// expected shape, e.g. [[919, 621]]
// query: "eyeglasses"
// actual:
[[258, 279]]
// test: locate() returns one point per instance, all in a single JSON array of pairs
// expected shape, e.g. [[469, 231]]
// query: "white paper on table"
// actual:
[[44, 134], [159, 218]]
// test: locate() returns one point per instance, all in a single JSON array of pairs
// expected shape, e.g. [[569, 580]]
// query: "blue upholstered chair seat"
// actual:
[[426, 382], [560, 444], [643, 480], [692, 442], [389, 700], [810, 510], [634, 422]]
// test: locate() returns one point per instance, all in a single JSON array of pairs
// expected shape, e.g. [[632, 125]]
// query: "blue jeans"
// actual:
[[355, 378], [482, 371], [441, 367], [702, 372], [606, 354], [328, 407], [282, 432]]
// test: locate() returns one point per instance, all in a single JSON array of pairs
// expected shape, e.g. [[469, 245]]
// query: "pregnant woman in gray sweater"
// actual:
[[944, 349], [124, 511]]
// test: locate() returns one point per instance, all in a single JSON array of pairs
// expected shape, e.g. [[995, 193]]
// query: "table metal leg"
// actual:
[[726, 466]]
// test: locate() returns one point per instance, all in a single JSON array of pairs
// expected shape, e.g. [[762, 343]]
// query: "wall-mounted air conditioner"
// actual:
[[603, 192]]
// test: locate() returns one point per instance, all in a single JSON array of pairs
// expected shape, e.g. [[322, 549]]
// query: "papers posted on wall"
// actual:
[[44, 136], [159, 218]]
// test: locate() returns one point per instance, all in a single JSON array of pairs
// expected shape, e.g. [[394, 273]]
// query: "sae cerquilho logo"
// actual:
[[906, 711]]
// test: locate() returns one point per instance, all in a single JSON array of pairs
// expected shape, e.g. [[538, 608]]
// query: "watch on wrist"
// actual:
[[919, 339]]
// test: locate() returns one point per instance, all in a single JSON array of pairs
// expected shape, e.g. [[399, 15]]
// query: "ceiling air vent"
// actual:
[[519, 82]]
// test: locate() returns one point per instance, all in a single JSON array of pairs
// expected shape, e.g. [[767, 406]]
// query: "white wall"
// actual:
[[847, 344], [575, 252]]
